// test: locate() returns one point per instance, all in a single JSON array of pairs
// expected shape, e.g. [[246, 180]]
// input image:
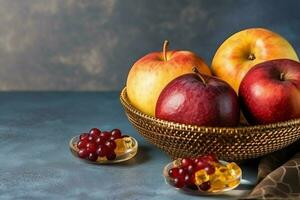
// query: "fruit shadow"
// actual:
[[141, 157]]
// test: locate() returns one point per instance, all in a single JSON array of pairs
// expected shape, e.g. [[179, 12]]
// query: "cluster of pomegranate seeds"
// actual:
[[184, 174], [98, 144]]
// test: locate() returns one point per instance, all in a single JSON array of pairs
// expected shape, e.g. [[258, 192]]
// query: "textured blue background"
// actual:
[[90, 45]]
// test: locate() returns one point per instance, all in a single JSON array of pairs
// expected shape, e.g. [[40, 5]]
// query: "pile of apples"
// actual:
[[255, 71]]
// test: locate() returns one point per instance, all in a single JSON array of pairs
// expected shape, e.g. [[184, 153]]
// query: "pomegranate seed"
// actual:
[[102, 150], [189, 179], [105, 135], [92, 156], [209, 169], [200, 165], [100, 140], [191, 169], [91, 138], [91, 147], [83, 153], [205, 186], [81, 144], [116, 133], [196, 160], [174, 172], [111, 156], [84, 136], [178, 182], [110, 144], [182, 172], [211, 157], [95, 132], [185, 162]]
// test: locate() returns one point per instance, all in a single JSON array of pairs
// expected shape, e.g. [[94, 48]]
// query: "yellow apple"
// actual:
[[150, 74], [244, 49]]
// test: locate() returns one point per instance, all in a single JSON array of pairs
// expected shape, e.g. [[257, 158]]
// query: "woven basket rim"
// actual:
[[125, 101]]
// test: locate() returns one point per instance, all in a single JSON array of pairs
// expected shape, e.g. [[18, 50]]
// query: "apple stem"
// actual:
[[196, 71], [282, 76], [251, 56], [165, 49]]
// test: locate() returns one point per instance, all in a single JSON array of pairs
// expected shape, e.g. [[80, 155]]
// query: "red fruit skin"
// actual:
[[84, 137], [116, 133], [111, 144], [105, 135], [179, 182], [91, 147], [185, 162], [83, 153], [210, 169], [81, 144], [174, 172], [267, 99], [99, 141], [205, 186], [111, 156], [188, 100], [95, 132], [102, 150], [92, 156], [189, 179]]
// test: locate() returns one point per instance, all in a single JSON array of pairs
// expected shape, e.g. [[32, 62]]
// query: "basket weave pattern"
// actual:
[[232, 144]]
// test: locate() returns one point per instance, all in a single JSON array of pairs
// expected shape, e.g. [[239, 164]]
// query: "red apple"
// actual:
[[198, 99], [270, 92]]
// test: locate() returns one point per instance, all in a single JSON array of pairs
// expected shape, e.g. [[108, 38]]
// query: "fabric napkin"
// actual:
[[279, 175]]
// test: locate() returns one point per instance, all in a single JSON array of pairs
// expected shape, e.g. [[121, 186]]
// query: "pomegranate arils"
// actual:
[[212, 158], [185, 162], [91, 147], [182, 172], [95, 132], [83, 153], [189, 179], [200, 165], [111, 144], [100, 140], [98, 143], [93, 156], [191, 169], [174, 172], [91, 138], [81, 144], [210, 169], [111, 156], [116, 133], [113, 138], [179, 182], [84, 136], [102, 150], [205, 186], [105, 135]]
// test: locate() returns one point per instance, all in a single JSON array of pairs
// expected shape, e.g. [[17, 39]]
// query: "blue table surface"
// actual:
[[35, 161]]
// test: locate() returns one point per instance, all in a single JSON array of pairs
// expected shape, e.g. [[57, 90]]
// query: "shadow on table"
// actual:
[[141, 157]]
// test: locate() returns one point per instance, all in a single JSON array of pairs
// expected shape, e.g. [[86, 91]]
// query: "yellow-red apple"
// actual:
[[244, 49], [150, 74]]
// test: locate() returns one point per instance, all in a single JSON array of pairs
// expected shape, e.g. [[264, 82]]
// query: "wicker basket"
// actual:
[[233, 144]]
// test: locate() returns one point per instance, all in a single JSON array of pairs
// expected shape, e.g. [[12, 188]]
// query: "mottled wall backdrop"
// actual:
[[90, 45]]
